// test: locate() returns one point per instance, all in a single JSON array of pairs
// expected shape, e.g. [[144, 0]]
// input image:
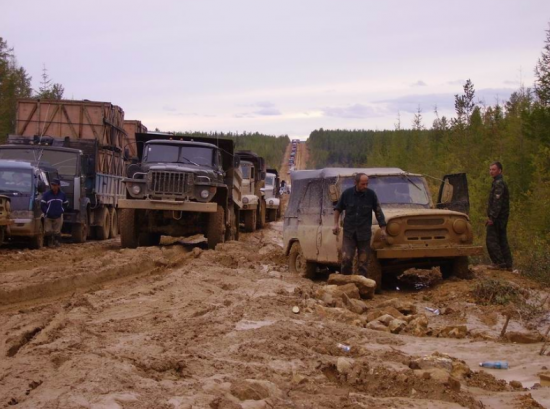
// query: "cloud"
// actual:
[[445, 101], [169, 108], [419, 83], [456, 82], [268, 112], [264, 104], [351, 111], [267, 108]]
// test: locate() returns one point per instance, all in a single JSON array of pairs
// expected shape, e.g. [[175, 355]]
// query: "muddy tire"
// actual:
[[37, 241], [260, 222], [272, 215], [79, 232], [458, 267], [216, 228], [103, 231], [114, 223], [129, 229], [149, 239], [250, 220], [233, 227], [298, 264], [374, 271]]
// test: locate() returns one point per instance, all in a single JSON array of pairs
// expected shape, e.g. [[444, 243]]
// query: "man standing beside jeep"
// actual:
[[53, 206], [359, 202], [498, 211]]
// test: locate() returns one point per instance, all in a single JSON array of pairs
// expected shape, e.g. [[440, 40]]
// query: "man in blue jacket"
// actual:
[[53, 205]]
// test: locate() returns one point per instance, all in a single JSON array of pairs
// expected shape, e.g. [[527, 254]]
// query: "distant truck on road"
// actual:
[[181, 186], [272, 195], [254, 210], [85, 142]]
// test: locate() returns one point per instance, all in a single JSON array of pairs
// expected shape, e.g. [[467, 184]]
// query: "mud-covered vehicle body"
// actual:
[[181, 186], [23, 185], [419, 232], [5, 217], [271, 192], [253, 171]]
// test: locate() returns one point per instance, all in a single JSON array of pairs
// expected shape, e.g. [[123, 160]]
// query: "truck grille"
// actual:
[[170, 183]]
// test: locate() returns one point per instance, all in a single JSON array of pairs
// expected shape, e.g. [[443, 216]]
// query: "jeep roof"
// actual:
[[347, 172]]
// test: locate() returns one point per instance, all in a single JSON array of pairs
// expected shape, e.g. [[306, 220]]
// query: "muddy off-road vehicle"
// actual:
[[5, 217], [253, 171], [419, 233], [181, 186], [272, 195]]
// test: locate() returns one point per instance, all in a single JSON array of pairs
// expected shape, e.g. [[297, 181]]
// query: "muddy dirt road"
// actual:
[[177, 326]]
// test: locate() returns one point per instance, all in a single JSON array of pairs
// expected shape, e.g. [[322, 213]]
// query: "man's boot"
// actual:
[[48, 241], [57, 240]]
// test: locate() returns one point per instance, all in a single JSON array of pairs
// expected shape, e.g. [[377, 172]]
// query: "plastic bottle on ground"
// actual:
[[494, 364]]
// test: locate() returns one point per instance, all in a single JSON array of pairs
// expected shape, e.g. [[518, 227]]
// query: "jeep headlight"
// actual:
[[205, 193], [271, 202], [393, 228], [7, 206], [245, 200], [136, 189], [460, 226]]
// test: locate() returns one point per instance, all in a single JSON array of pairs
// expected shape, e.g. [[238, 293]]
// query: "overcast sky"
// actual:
[[278, 67]]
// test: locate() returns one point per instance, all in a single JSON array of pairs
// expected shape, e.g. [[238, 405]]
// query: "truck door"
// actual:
[[453, 193]]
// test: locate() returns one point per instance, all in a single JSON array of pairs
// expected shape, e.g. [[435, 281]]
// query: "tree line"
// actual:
[[515, 132]]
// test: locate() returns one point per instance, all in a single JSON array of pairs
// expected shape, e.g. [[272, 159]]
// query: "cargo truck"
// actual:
[[254, 206], [181, 186]]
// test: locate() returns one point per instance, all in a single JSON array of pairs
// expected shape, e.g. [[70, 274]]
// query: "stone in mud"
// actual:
[[524, 337], [336, 314], [404, 307], [224, 403], [385, 319], [356, 306], [434, 361], [516, 384], [453, 384], [418, 326], [460, 369], [344, 365], [396, 326], [454, 331], [330, 293], [373, 314], [365, 285], [377, 326], [253, 389]]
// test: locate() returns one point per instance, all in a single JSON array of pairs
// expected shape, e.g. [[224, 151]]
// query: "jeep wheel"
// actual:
[[272, 215], [114, 222], [374, 271], [260, 222], [216, 228], [104, 229], [149, 239], [458, 267], [79, 232], [250, 220], [129, 230], [298, 264], [37, 241]]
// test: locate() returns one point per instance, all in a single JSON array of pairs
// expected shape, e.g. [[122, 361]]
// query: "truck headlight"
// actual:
[[271, 202], [7, 206], [245, 200], [136, 189], [205, 193], [460, 226]]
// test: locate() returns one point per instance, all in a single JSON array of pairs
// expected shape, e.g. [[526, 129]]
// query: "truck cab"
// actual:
[[272, 195], [24, 185]]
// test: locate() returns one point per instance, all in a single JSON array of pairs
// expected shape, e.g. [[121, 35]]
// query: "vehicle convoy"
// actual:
[[21, 187], [272, 195], [418, 233], [254, 209], [84, 141], [181, 186]]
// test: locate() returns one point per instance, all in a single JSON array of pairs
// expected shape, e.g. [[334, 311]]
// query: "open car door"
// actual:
[[453, 193]]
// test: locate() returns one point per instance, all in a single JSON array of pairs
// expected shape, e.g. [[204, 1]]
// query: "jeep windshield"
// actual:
[[15, 181], [397, 190], [195, 155], [64, 162]]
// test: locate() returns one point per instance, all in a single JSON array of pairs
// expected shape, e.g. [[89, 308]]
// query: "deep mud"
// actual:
[[191, 328]]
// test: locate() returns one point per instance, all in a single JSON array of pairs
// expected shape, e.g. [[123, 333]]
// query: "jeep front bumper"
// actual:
[[432, 251], [149, 204]]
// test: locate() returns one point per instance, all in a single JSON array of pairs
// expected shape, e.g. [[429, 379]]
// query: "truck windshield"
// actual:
[[397, 190], [246, 170], [15, 181], [64, 162], [269, 180], [196, 155]]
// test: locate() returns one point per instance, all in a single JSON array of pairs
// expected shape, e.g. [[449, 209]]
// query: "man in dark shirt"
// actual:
[[498, 210], [53, 206], [359, 202]]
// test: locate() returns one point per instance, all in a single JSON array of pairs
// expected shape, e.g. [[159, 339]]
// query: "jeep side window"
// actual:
[[312, 201]]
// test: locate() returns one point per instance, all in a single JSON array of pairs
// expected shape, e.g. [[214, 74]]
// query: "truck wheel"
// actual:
[[129, 230], [216, 228], [37, 241], [79, 232], [237, 223], [374, 271], [250, 220], [272, 215], [298, 264], [149, 239], [231, 232], [114, 222], [104, 229], [260, 222], [458, 267]]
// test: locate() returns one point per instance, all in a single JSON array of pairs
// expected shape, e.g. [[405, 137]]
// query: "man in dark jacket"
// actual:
[[498, 210], [53, 206], [359, 202]]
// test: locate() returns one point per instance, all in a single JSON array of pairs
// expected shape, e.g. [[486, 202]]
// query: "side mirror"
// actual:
[[447, 194], [41, 188], [333, 193]]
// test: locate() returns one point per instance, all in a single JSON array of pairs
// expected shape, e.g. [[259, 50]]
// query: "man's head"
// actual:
[[495, 169], [55, 185], [361, 182]]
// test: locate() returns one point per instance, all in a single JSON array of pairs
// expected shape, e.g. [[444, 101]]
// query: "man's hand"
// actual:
[[335, 229], [489, 222], [383, 232]]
